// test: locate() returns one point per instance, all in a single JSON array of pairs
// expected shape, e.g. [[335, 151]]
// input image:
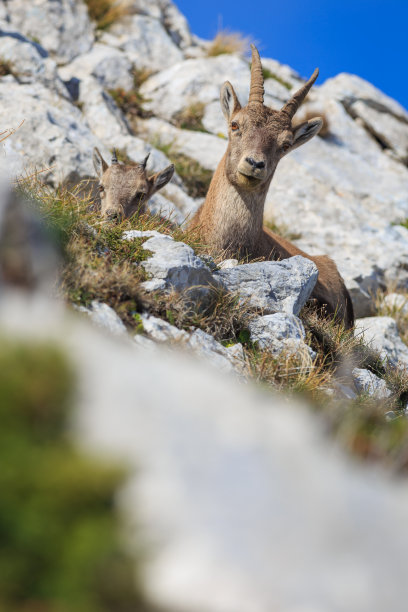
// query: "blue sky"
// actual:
[[364, 37]]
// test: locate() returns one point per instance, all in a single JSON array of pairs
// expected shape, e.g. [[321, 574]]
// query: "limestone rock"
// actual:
[[280, 333], [175, 266], [273, 286], [63, 28], [145, 42], [368, 383], [105, 317], [382, 334], [53, 132], [397, 302]]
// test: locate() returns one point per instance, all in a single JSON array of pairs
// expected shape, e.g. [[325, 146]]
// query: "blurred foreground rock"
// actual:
[[242, 503]]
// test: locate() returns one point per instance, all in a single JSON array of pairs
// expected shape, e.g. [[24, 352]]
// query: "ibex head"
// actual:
[[125, 188], [260, 136]]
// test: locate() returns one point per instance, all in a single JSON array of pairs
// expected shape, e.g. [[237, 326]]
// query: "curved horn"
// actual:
[[144, 162], [256, 92], [296, 100], [114, 159]]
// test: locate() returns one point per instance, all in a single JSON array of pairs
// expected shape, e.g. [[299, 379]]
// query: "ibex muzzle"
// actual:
[[126, 188]]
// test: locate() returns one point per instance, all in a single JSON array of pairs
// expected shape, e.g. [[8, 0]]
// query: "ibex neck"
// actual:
[[232, 218]]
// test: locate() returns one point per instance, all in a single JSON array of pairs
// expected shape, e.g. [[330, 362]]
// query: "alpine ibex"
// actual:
[[125, 188], [231, 218]]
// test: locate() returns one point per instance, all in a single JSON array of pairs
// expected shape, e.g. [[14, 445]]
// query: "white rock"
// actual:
[[280, 333], [228, 263], [30, 63], [208, 458], [177, 267], [369, 384], [381, 333], [53, 132], [194, 80], [161, 331], [131, 234], [204, 148], [109, 66], [63, 28], [146, 42], [273, 286], [105, 317]]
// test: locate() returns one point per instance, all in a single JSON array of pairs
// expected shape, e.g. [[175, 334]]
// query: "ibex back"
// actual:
[[231, 218], [126, 188]]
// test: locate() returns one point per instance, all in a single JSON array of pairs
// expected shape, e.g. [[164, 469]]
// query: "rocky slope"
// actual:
[[144, 84]]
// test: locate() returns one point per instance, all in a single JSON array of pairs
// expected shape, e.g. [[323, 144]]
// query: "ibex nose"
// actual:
[[113, 215], [254, 163]]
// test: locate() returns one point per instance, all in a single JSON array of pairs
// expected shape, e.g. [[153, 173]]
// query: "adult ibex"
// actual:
[[231, 218], [125, 188]]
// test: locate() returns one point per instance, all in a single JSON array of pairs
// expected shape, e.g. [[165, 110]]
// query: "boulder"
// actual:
[[145, 42], [272, 286], [174, 266], [63, 27], [29, 62], [105, 317], [108, 65], [381, 334], [53, 132], [368, 383], [280, 333]]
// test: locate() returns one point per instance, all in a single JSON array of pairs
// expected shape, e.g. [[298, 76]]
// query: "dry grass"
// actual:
[[190, 118], [282, 230], [228, 42], [398, 313], [107, 12], [131, 102]]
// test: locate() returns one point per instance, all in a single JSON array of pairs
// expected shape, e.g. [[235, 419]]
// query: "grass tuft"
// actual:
[[268, 74], [107, 12], [196, 178], [131, 102], [228, 42], [190, 118]]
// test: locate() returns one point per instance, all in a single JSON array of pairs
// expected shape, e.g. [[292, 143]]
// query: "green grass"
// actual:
[[268, 74], [132, 102], [60, 547], [195, 178]]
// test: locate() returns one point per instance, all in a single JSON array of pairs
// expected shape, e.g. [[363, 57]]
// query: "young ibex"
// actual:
[[231, 218], [125, 188]]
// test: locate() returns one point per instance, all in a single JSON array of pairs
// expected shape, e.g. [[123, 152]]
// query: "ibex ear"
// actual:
[[99, 163], [160, 179], [229, 101], [305, 131]]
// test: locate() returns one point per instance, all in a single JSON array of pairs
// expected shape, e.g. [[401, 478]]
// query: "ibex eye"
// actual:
[[234, 126]]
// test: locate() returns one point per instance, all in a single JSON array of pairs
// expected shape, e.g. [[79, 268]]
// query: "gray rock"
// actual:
[[30, 63], [204, 148], [228, 263], [145, 42], [176, 267], [161, 331], [382, 334], [368, 383], [194, 80], [109, 66], [281, 333], [225, 359], [63, 28], [273, 286], [53, 132], [105, 317]]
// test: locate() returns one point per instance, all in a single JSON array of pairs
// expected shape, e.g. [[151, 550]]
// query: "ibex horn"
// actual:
[[114, 157], [144, 162], [256, 92], [296, 100]]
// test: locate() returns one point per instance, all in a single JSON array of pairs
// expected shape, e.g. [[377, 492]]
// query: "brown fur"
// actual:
[[125, 189], [231, 217]]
